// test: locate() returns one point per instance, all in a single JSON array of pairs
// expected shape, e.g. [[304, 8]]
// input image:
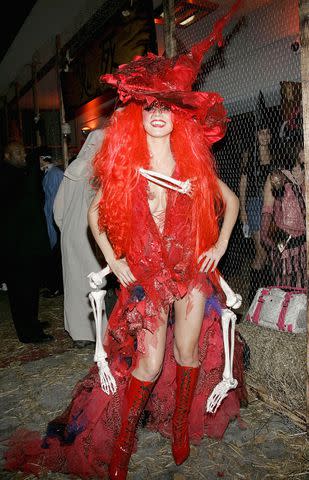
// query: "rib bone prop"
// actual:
[[167, 181], [108, 383]]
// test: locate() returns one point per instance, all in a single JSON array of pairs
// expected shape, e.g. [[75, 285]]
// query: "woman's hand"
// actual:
[[122, 271], [212, 257]]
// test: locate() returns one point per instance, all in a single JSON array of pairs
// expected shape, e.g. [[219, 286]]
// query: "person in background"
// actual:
[[23, 242], [77, 246], [283, 228], [52, 177], [256, 168]]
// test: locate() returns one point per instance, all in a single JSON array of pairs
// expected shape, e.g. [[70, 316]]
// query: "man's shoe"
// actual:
[[40, 338], [45, 324], [49, 294]]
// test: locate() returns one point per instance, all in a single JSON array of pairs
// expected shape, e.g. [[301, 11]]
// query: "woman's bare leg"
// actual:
[[260, 253], [149, 365], [140, 385], [189, 314]]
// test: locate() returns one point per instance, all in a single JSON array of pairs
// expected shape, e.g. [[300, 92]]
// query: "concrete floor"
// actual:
[[33, 391]]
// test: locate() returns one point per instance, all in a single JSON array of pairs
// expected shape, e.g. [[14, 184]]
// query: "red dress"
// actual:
[[80, 441]]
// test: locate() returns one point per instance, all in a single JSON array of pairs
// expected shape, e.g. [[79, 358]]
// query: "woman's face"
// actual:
[[157, 120], [264, 137]]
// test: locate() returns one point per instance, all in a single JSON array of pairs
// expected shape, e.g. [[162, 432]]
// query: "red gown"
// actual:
[[80, 441]]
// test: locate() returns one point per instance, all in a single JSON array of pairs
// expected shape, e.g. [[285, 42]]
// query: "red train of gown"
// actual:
[[80, 441]]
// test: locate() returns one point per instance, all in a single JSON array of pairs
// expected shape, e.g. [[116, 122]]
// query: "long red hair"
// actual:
[[125, 149]]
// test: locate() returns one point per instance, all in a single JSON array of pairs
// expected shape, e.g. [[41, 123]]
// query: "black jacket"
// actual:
[[23, 224]]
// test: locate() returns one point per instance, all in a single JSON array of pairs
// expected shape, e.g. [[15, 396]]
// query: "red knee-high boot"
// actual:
[[186, 379], [135, 400]]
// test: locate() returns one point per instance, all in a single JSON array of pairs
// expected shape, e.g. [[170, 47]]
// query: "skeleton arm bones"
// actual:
[[96, 297], [233, 300]]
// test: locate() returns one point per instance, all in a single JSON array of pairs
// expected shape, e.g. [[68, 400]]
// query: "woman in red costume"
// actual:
[[164, 339]]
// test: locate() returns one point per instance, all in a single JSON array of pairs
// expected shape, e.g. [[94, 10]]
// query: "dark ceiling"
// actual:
[[13, 17]]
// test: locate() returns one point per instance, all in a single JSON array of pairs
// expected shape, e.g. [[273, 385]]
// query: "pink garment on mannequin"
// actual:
[[287, 213]]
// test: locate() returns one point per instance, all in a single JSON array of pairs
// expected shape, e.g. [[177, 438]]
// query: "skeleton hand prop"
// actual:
[[228, 382], [233, 300], [107, 380], [168, 182], [96, 298], [97, 279]]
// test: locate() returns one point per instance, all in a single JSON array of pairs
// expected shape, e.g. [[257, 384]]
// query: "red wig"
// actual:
[[125, 149]]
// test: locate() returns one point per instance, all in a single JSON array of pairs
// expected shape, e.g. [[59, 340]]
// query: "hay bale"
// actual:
[[278, 365]]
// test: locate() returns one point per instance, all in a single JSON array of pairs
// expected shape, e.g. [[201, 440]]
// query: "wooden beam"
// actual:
[[4, 106], [64, 142], [36, 106], [19, 117], [169, 28], [304, 35]]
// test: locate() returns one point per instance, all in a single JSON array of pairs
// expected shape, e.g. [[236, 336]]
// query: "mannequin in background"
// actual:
[[79, 255]]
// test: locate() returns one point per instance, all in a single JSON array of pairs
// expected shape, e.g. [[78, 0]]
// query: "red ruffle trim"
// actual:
[[80, 441]]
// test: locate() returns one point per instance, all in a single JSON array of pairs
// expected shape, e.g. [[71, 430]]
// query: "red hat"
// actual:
[[155, 78]]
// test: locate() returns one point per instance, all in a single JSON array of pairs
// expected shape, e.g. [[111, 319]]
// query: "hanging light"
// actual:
[[86, 129]]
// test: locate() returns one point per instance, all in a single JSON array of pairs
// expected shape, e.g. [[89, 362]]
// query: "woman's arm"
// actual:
[[120, 267], [231, 212], [242, 197], [267, 215], [213, 256]]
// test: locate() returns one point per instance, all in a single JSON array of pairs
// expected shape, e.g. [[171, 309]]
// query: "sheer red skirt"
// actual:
[[80, 441]]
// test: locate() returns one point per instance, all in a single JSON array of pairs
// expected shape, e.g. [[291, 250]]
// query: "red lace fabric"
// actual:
[[80, 440]]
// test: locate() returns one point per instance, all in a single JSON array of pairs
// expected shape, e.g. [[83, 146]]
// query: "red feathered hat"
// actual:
[[155, 78]]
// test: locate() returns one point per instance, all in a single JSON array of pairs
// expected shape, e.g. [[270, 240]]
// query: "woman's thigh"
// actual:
[[189, 314], [149, 363]]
